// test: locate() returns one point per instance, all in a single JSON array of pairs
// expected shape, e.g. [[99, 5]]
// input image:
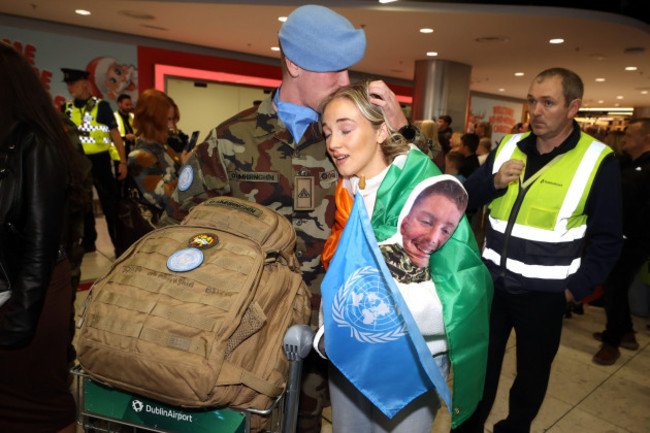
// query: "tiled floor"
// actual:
[[582, 396]]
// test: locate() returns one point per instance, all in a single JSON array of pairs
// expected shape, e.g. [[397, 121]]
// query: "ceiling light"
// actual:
[[82, 12], [275, 48], [601, 102], [432, 53], [644, 92], [600, 80], [556, 41], [282, 19], [502, 90], [519, 74], [425, 30], [386, 1], [630, 68], [617, 105], [619, 97]]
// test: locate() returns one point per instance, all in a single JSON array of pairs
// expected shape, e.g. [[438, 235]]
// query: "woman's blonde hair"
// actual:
[[395, 144], [455, 140]]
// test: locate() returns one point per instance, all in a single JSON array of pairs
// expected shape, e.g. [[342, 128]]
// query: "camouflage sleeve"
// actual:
[[208, 178], [155, 178]]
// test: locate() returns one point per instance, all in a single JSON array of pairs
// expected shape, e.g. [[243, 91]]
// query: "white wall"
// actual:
[[203, 108]]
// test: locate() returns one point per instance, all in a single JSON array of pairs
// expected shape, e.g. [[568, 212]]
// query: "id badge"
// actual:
[[303, 194]]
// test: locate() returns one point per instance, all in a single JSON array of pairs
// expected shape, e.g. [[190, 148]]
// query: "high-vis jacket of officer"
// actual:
[[115, 155], [537, 228], [120, 123], [95, 137]]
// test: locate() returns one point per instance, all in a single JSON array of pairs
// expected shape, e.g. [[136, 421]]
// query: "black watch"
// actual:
[[407, 131]]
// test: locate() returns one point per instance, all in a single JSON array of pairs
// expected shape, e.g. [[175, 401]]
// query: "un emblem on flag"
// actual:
[[365, 305]]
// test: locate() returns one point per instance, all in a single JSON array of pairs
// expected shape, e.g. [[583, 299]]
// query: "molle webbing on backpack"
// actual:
[[206, 336]]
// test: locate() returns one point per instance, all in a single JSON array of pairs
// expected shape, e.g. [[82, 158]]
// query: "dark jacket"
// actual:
[[635, 177], [33, 181]]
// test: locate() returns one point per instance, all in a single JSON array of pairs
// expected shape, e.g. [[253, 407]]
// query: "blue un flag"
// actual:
[[370, 335]]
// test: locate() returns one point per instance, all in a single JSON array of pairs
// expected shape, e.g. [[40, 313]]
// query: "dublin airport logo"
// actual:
[[137, 406]]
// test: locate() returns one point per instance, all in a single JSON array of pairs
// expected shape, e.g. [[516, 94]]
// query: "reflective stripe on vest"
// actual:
[[545, 239], [95, 137], [120, 122]]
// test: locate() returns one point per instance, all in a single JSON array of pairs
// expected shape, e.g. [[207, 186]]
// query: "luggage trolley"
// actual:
[[104, 409]]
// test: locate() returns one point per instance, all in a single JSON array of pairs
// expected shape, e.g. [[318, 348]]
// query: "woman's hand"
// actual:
[[185, 155]]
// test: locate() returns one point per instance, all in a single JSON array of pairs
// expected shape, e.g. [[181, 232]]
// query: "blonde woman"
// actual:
[[380, 165]]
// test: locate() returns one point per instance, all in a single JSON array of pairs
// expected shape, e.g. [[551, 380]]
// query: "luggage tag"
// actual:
[[303, 194]]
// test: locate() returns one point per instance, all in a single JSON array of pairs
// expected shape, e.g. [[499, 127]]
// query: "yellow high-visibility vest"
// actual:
[[537, 228]]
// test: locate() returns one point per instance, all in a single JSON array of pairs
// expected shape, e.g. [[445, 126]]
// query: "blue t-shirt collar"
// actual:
[[296, 117]]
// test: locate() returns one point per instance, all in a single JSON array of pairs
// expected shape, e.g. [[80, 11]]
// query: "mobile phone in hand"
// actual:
[[192, 141]]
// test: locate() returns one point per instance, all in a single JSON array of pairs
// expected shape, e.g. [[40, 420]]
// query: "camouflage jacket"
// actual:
[[154, 168], [253, 156]]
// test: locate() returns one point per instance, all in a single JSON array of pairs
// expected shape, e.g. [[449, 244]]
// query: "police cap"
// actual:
[[72, 75]]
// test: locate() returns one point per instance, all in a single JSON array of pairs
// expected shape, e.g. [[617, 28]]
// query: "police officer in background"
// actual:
[[274, 153], [97, 129], [124, 119]]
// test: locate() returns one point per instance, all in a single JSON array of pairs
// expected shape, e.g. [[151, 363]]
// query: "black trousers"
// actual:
[[616, 288], [104, 183], [537, 320]]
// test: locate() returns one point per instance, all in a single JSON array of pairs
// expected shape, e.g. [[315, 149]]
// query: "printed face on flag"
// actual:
[[370, 334], [427, 227]]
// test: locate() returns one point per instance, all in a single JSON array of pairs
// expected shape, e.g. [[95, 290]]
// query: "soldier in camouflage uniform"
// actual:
[[274, 154]]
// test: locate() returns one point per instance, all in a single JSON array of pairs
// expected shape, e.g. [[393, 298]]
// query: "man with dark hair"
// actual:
[[547, 190], [444, 132], [635, 174], [469, 144], [124, 119]]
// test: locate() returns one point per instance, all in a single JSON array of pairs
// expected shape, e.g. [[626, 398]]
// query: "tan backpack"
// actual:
[[210, 333]]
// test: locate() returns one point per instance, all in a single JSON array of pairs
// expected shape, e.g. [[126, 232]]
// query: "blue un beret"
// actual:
[[318, 39]]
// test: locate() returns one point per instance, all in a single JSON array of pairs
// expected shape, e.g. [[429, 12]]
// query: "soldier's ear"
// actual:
[[293, 69]]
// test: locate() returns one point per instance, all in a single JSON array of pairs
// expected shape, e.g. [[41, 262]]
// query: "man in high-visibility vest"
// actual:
[[124, 119], [547, 190], [97, 131]]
